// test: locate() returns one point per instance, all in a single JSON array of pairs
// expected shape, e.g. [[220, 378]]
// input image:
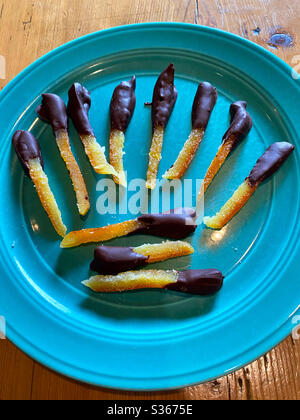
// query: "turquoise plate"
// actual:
[[150, 340]]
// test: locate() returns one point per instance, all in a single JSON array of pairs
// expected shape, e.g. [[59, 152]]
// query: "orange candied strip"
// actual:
[[233, 206], [101, 234], [186, 155], [116, 145], [132, 280], [46, 196], [164, 251], [215, 165], [96, 155], [154, 157], [79, 186]]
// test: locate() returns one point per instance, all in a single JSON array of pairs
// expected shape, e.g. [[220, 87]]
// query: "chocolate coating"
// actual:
[[198, 282], [269, 162], [122, 105], [53, 110], [27, 148], [177, 224], [78, 108], [205, 101], [114, 260], [164, 98], [241, 123]]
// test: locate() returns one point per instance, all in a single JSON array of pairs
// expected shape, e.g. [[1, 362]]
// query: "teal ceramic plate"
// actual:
[[147, 340]]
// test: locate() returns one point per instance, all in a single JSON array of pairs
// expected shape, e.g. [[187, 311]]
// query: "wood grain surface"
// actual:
[[29, 29]]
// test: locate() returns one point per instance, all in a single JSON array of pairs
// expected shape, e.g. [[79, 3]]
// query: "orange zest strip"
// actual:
[[83, 202], [232, 207], [154, 157], [117, 139], [46, 196], [101, 234], [96, 155], [132, 280], [164, 251], [186, 155], [214, 167]]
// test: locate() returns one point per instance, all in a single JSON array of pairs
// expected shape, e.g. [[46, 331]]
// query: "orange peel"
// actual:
[[116, 152], [40, 180], [186, 155], [154, 157], [101, 234], [82, 197]]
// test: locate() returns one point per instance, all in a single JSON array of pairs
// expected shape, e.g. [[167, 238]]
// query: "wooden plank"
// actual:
[[16, 373], [31, 28], [36, 27], [47, 384], [257, 20], [273, 377]]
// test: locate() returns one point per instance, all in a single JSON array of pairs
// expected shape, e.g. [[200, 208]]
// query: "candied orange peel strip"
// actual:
[[116, 152], [219, 159], [268, 163], [164, 251], [46, 196], [132, 280], [233, 206], [101, 234], [154, 157], [96, 155], [186, 155], [63, 143]]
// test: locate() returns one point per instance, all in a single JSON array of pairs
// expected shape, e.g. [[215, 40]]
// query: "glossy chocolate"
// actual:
[[269, 162], [241, 124], [78, 108], [53, 110], [205, 101], [122, 105], [27, 148], [198, 282], [114, 260], [177, 224], [164, 98]]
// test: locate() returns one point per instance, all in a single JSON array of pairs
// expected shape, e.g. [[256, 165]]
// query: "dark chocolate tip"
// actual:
[[114, 260], [164, 98], [27, 148], [205, 101], [53, 110], [122, 105], [241, 123], [198, 282], [270, 162], [175, 224], [78, 108]]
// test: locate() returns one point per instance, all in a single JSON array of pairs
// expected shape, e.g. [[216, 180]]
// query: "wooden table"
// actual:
[[29, 29]]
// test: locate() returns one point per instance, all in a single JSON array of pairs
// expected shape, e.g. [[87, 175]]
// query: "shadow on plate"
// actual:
[[148, 304]]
